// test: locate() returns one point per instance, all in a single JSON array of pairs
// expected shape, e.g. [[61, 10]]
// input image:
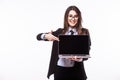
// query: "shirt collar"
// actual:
[[73, 29]]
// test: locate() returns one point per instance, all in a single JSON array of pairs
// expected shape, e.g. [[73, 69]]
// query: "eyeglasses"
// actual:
[[72, 16]]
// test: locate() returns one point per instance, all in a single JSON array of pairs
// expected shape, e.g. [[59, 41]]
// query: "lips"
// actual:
[[73, 22]]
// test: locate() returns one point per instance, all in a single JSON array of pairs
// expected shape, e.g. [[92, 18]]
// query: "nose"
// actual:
[[73, 18]]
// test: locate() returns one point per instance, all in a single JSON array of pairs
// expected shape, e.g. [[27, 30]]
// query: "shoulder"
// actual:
[[59, 29], [85, 30], [57, 32]]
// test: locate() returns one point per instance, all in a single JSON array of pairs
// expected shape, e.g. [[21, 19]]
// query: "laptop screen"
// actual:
[[73, 45]]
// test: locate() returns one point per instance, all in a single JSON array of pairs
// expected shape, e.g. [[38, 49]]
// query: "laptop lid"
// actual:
[[73, 45]]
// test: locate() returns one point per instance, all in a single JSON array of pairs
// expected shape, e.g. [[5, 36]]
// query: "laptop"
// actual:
[[73, 45]]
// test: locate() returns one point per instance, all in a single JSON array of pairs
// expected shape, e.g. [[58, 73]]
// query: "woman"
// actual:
[[66, 68]]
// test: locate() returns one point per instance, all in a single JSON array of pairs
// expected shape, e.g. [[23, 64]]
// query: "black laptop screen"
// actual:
[[73, 44]]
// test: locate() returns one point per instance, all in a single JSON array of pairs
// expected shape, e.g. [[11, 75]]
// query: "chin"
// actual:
[[72, 26]]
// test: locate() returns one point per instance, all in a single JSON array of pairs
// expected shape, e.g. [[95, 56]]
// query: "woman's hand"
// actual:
[[51, 37], [75, 58]]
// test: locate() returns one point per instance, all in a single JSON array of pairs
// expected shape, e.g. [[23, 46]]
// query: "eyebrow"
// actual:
[[72, 15]]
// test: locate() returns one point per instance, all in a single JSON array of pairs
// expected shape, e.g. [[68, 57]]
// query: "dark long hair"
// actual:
[[78, 26]]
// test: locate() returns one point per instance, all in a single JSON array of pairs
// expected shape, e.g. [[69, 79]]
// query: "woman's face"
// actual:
[[72, 18]]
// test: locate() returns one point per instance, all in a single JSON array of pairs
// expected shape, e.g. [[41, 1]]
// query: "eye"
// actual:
[[75, 16], [70, 16]]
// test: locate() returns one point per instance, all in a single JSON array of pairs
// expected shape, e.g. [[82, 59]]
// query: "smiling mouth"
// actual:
[[73, 22]]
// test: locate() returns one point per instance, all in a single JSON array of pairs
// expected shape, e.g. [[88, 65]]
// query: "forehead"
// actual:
[[72, 12]]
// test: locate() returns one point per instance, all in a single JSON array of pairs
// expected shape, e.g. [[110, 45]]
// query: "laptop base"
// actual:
[[76, 56]]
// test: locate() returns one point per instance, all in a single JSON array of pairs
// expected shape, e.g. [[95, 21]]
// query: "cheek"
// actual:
[[69, 22]]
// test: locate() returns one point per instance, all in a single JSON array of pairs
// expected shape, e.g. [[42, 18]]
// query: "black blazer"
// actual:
[[54, 54]]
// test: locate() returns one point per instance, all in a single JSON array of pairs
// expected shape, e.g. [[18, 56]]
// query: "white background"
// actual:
[[22, 57]]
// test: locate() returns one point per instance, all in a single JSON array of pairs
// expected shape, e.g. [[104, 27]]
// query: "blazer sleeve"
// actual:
[[89, 39], [54, 33], [87, 32], [39, 37]]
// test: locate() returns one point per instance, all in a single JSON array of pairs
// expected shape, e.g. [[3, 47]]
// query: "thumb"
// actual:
[[50, 32]]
